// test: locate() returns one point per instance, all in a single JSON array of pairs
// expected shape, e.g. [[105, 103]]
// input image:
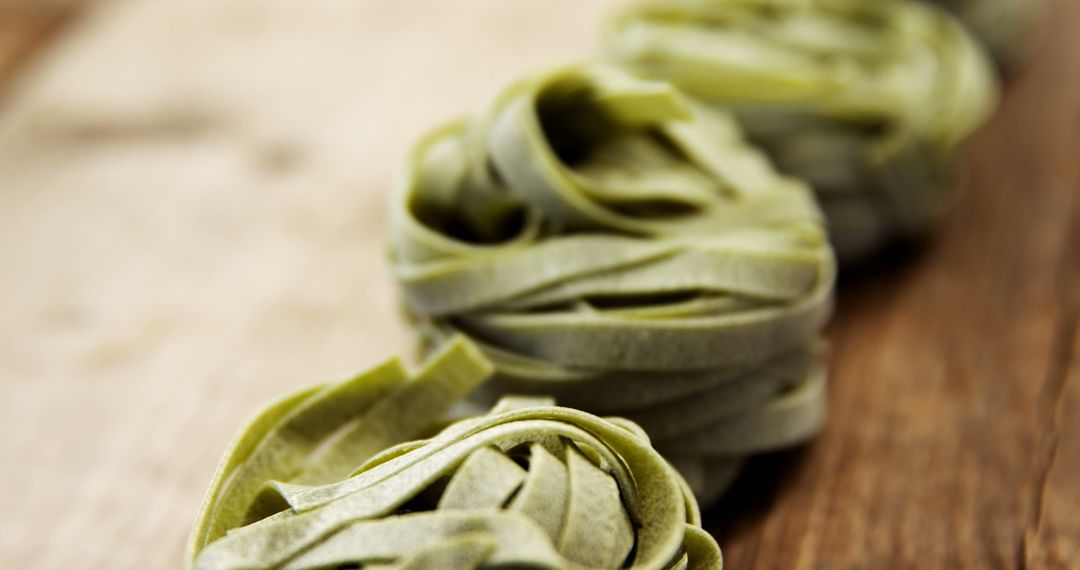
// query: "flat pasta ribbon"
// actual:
[[865, 100], [608, 242], [331, 477]]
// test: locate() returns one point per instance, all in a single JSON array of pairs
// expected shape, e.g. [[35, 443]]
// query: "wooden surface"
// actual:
[[191, 220], [25, 26]]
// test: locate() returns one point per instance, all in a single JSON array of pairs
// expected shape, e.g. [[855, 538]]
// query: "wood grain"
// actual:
[[952, 438], [191, 221], [26, 27]]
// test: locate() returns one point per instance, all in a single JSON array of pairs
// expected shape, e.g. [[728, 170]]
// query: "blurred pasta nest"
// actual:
[[1005, 27], [328, 478], [866, 101], [608, 242]]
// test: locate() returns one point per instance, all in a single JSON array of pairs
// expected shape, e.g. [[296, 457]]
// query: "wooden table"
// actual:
[[192, 202]]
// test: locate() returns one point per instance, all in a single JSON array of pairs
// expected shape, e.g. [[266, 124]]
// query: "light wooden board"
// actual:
[[192, 199]]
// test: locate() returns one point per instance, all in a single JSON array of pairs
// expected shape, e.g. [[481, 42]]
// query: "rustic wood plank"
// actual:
[[1053, 533], [1053, 537], [191, 221], [947, 370], [192, 198]]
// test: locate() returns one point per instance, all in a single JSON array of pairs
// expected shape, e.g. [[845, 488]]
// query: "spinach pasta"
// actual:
[[1005, 27], [333, 477], [865, 100], [606, 241]]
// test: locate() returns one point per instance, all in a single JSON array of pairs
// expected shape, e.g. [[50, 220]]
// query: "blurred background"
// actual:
[[192, 200]]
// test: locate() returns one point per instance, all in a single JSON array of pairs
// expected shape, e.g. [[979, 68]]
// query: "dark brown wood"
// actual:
[[953, 438]]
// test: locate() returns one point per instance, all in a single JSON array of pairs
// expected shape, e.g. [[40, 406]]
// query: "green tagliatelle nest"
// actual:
[[1004, 26], [328, 478], [612, 244], [865, 100]]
